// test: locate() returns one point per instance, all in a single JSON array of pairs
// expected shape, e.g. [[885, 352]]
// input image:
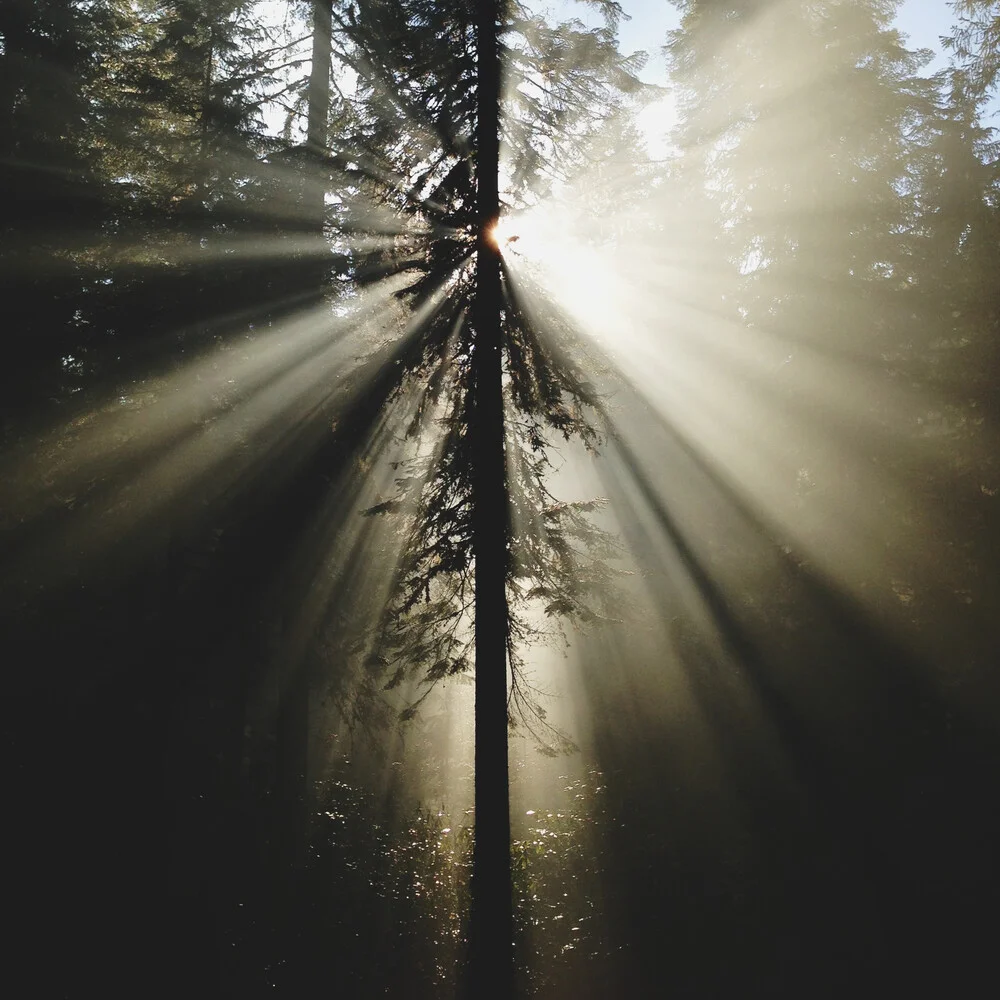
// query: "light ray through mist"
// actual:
[[786, 422], [189, 437]]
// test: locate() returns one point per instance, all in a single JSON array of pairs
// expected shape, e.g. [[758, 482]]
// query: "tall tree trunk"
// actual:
[[205, 124], [294, 681], [491, 953], [319, 113]]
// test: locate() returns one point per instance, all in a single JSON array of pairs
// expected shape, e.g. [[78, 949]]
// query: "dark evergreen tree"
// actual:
[[416, 154], [132, 153]]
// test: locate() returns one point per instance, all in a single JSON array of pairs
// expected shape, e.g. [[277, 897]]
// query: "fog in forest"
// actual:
[[742, 534]]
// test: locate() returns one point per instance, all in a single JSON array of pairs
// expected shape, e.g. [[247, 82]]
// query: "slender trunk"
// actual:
[[294, 681], [202, 168], [206, 104], [491, 929], [319, 114]]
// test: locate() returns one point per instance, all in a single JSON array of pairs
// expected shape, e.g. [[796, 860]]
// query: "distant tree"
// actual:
[[975, 42], [804, 122]]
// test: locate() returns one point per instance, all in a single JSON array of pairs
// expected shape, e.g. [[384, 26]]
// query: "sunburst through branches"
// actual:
[[747, 481]]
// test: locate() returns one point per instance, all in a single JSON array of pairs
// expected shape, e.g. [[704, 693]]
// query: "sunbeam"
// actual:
[[789, 419]]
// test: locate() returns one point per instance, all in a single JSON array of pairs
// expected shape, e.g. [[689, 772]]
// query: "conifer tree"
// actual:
[[415, 159]]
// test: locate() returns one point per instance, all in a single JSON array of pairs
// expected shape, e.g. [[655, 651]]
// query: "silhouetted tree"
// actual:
[[419, 157]]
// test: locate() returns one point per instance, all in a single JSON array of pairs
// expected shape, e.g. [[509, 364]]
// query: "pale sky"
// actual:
[[922, 21]]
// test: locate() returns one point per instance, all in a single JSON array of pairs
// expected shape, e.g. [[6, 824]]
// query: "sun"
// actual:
[[524, 234], [504, 233]]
